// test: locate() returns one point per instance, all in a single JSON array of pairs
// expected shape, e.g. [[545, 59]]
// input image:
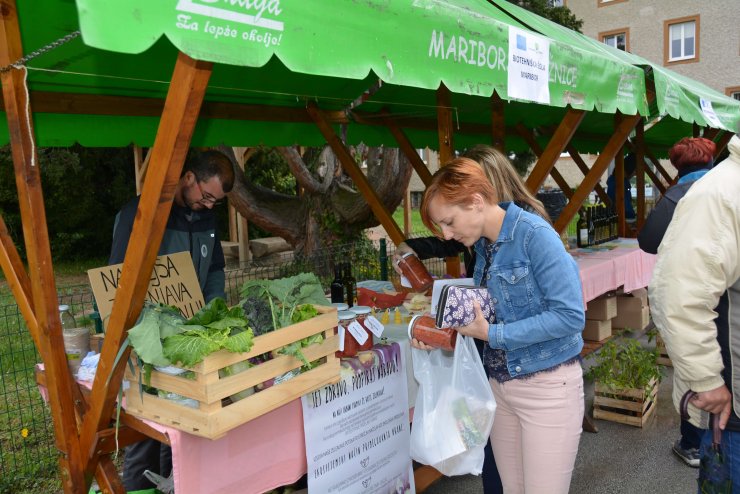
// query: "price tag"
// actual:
[[341, 338], [374, 326], [358, 332]]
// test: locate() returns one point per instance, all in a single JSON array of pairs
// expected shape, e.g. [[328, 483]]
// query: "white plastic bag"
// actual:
[[454, 409]]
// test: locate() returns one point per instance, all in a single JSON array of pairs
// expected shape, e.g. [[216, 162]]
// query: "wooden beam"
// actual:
[[38, 251], [361, 182], [107, 476], [528, 136], [710, 133], [446, 139], [185, 95], [695, 130], [658, 167], [555, 147], [407, 213], [409, 151], [619, 178], [18, 281], [611, 148], [722, 143], [498, 123], [584, 169], [654, 178], [640, 172]]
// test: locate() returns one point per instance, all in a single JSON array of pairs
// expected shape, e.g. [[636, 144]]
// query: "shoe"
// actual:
[[689, 456]]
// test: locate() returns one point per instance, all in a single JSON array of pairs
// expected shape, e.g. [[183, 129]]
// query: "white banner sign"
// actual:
[[357, 430], [529, 66], [709, 114]]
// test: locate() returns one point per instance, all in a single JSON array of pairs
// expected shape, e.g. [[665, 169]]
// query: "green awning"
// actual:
[[677, 96], [343, 54]]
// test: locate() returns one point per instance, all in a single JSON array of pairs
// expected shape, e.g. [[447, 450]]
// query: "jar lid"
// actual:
[[405, 255], [340, 306], [360, 309], [63, 307], [411, 324], [345, 315]]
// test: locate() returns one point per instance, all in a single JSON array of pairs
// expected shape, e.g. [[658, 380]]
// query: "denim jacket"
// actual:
[[536, 291]]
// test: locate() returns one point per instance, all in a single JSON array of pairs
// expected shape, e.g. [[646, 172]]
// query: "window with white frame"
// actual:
[[616, 40], [682, 41]]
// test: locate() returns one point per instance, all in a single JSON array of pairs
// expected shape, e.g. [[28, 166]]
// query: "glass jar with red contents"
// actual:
[[351, 346], [362, 311], [423, 328], [415, 271]]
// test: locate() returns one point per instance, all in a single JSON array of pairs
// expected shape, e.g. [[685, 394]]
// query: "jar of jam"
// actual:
[[415, 271], [362, 311], [424, 329], [350, 343]]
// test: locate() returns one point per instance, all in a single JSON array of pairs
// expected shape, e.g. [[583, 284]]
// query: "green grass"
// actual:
[[416, 225], [27, 452]]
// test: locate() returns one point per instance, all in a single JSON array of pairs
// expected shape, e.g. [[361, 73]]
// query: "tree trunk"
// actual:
[[329, 209]]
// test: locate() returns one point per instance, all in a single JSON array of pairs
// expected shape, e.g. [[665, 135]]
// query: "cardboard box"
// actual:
[[601, 309], [636, 318], [597, 330], [626, 303]]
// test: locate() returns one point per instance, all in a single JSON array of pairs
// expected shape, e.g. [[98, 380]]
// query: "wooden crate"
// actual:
[[663, 358], [212, 419], [627, 406]]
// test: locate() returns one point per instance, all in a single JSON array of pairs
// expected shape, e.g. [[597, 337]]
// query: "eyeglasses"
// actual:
[[207, 198]]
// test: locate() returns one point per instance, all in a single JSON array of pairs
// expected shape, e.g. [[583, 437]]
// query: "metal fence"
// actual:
[[27, 450]]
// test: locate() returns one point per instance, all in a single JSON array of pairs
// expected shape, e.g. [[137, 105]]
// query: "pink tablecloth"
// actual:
[[617, 264]]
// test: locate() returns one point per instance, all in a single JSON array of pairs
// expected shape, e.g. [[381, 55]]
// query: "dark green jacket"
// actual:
[[192, 231]]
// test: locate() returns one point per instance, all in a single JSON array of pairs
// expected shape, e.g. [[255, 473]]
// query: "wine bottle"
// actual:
[[337, 286], [582, 227], [350, 285]]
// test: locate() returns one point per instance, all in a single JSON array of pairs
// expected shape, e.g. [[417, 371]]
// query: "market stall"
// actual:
[[104, 74]]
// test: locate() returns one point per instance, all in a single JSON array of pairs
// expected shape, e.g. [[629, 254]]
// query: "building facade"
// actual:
[[698, 39]]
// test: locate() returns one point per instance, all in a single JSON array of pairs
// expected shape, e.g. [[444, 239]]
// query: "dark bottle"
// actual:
[[350, 285], [582, 229], [337, 286], [590, 226]]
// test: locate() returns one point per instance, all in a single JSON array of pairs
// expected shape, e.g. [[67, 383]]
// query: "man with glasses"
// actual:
[[206, 179]]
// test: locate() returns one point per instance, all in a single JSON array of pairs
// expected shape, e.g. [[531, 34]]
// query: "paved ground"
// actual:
[[619, 459]]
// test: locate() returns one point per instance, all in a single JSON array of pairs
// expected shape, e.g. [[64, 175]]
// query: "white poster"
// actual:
[[529, 66], [709, 114], [357, 430]]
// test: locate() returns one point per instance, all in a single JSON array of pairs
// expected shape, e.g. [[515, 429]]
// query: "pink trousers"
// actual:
[[536, 430]]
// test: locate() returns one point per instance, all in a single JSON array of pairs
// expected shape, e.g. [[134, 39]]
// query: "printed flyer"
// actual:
[[357, 430]]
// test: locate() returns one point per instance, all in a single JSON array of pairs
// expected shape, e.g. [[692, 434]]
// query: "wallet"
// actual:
[[455, 307]]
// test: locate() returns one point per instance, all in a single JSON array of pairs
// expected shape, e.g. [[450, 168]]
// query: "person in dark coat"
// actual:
[[630, 165], [693, 158]]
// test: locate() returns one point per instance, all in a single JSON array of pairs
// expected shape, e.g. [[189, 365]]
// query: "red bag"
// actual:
[[378, 300]]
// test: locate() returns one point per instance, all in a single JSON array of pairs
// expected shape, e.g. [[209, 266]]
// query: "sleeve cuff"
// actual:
[[496, 335], [707, 384]]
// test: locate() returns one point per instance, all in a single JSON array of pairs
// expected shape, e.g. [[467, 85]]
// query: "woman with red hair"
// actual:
[[532, 350]]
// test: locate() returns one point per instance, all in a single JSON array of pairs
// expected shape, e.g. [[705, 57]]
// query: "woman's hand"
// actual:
[[420, 345], [479, 327], [401, 249]]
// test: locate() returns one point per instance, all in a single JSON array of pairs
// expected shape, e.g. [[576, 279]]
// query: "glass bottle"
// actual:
[[68, 320], [582, 229], [350, 285], [337, 287], [345, 318], [361, 313]]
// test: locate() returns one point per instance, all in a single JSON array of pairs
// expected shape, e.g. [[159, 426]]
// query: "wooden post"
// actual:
[[186, 91], [640, 172], [446, 137], [559, 140], [407, 213], [722, 143], [498, 123], [38, 251], [386, 219], [619, 178], [615, 143]]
